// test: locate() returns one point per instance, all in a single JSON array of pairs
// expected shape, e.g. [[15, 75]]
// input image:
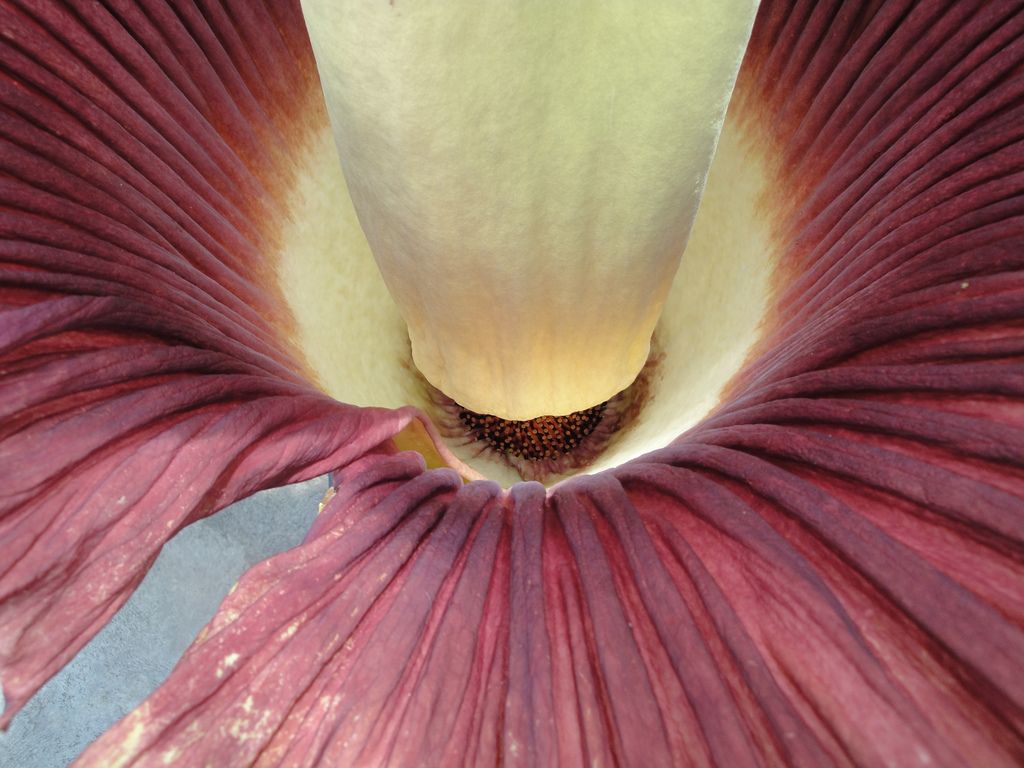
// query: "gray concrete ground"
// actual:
[[137, 650]]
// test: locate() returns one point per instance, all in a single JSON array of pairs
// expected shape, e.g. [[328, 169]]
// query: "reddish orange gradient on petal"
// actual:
[[146, 380]]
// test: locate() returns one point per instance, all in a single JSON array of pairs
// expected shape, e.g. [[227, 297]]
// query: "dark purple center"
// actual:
[[546, 437]]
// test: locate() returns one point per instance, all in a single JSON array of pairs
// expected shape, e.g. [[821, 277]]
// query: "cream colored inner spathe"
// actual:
[[355, 340], [527, 175]]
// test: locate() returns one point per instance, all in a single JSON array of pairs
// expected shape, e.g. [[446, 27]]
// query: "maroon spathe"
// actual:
[[828, 570]]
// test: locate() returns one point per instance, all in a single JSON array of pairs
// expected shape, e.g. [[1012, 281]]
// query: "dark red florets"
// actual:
[[546, 437]]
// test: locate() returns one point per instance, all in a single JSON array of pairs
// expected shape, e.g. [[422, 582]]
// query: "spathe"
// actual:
[[143, 383], [828, 569]]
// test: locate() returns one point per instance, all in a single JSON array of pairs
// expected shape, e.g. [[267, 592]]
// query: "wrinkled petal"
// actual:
[[828, 570], [144, 384]]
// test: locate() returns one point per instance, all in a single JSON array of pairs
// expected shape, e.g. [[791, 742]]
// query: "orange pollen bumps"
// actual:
[[545, 437]]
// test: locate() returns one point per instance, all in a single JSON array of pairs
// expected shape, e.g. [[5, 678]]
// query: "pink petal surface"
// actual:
[[828, 571], [144, 383]]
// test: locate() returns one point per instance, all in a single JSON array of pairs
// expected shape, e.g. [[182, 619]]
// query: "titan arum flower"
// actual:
[[795, 539]]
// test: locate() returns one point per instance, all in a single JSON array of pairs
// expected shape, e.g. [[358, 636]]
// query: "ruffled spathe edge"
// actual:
[[828, 570], [146, 381]]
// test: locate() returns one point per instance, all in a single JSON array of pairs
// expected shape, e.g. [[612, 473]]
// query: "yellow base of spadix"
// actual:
[[356, 343], [527, 174]]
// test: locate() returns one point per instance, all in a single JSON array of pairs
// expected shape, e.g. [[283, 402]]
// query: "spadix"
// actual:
[[527, 175]]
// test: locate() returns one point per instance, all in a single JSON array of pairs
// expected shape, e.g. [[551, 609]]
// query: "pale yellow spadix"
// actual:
[[527, 175]]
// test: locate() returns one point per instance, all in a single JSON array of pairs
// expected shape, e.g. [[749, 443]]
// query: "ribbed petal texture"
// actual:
[[828, 571], [145, 379]]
